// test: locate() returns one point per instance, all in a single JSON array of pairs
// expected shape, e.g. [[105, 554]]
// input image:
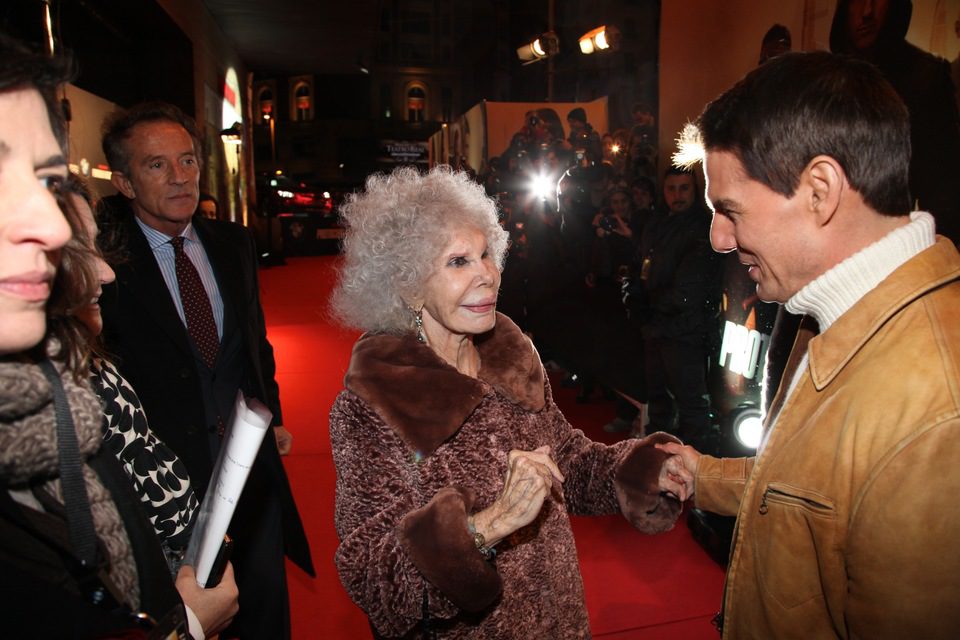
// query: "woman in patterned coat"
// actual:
[[456, 471], [157, 475]]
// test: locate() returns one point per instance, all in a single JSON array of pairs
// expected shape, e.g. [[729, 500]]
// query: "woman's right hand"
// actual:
[[216, 607], [528, 482]]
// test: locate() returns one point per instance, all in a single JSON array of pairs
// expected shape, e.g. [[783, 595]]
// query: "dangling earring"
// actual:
[[418, 322]]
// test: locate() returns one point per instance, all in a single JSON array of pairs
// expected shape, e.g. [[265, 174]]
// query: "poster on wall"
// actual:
[[915, 46], [86, 155], [931, 25], [935, 27]]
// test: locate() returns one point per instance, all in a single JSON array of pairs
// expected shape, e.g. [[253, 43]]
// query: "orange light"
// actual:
[[598, 39]]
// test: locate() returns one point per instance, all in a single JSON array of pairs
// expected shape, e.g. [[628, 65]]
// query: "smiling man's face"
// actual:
[[771, 234]]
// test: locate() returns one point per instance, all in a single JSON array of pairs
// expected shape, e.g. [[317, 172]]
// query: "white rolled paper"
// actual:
[[241, 442]]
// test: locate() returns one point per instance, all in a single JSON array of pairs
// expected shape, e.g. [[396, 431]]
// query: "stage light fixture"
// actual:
[[600, 39], [544, 46]]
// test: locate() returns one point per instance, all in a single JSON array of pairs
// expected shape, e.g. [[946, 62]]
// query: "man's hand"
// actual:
[[690, 459], [675, 479], [284, 439], [214, 608]]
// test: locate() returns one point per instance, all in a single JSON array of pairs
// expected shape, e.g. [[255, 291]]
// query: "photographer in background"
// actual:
[[582, 135], [671, 295], [616, 360], [615, 228]]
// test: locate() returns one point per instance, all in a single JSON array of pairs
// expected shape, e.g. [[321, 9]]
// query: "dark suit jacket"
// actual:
[[154, 352]]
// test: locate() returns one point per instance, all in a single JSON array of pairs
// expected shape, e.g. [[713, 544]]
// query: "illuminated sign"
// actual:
[[742, 350], [400, 151], [231, 100]]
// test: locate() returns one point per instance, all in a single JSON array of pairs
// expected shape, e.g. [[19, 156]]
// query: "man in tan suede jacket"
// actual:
[[847, 523]]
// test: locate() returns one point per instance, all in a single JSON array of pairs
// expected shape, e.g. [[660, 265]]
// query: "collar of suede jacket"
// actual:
[[833, 349]]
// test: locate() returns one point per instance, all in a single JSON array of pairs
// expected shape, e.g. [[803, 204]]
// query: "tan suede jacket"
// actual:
[[848, 523]]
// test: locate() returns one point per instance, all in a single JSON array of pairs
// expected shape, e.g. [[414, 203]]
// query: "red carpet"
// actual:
[[637, 587]]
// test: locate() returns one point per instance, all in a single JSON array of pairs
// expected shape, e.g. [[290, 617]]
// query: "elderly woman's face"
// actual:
[[460, 298], [32, 227]]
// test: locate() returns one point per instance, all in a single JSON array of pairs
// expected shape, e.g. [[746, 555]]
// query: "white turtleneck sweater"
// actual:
[[833, 293]]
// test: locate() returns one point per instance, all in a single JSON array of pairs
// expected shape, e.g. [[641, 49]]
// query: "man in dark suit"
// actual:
[[186, 324]]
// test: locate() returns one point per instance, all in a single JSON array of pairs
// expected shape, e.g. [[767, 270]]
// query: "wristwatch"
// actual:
[[488, 553]]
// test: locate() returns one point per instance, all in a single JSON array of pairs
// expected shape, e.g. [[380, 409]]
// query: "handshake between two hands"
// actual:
[[679, 471], [532, 476]]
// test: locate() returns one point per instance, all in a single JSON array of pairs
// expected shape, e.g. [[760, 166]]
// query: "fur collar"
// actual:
[[425, 400]]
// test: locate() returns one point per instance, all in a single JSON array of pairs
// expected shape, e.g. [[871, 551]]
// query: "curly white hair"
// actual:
[[395, 229]]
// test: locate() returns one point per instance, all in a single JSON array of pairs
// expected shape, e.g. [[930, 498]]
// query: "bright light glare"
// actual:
[[541, 187], [538, 48], [594, 40], [615, 148], [748, 428], [49, 25]]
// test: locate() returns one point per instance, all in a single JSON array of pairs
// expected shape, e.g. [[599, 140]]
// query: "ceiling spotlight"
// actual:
[[544, 46], [600, 39]]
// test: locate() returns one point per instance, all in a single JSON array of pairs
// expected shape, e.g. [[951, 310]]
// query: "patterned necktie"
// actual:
[[196, 305]]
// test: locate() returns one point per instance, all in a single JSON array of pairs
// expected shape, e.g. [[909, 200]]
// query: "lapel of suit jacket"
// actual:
[[142, 279]]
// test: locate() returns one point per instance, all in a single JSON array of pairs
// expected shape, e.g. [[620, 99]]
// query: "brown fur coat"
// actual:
[[418, 447]]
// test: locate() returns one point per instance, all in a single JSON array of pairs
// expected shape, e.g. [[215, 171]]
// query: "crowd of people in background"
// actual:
[[607, 265], [608, 262]]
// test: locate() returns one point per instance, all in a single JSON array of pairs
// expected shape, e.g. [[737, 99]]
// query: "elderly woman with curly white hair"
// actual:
[[456, 471]]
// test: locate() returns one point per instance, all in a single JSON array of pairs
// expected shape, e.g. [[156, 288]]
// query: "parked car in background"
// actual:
[[307, 213]]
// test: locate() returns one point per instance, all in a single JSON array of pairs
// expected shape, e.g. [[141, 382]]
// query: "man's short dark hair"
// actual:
[[800, 105], [674, 170], [578, 114], [118, 125], [24, 68]]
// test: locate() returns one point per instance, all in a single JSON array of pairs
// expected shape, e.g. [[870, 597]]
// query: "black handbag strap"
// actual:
[[76, 502]]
